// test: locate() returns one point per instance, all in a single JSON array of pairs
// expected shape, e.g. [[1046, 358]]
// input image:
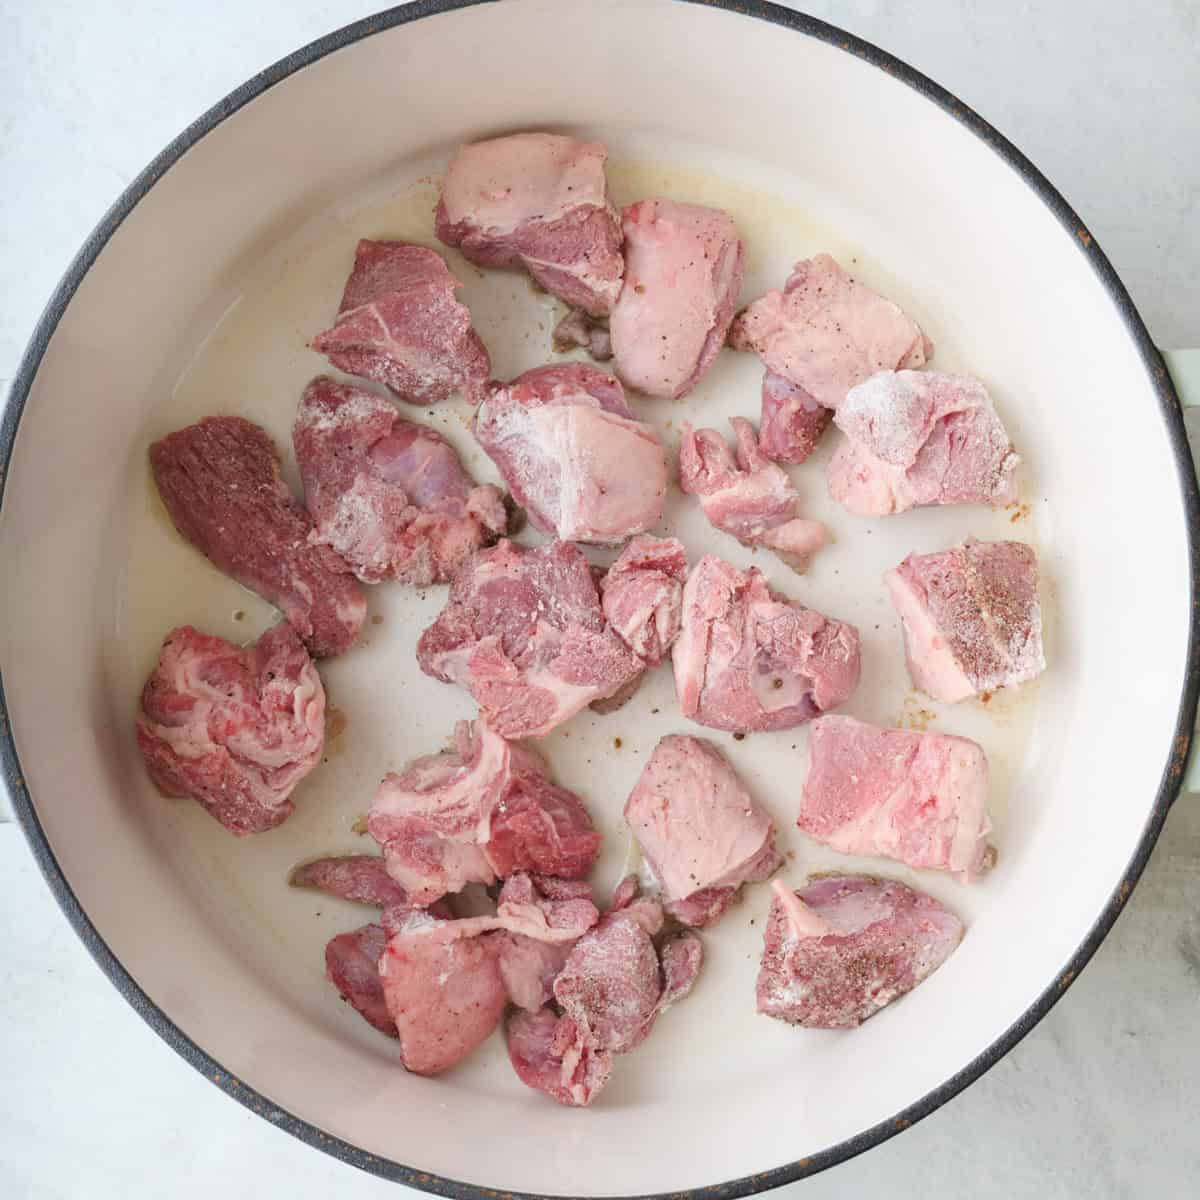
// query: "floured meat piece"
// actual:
[[550, 1054], [920, 437], [400, 324], [538, 826], [972, 619], [573, 455], [681, 956], [352, 965], [577, 329], [747, 660], [642, 595], [701, 832], [524, 632], [750, 497], [388, 495], [826, 333], [843, 947], [362, 878], [220, 482], [917, 797], [792, 423], [234, 728], [683, 272], [538, 201]]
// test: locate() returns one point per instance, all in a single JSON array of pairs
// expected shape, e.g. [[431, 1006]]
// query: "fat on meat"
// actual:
[[221, 485], [523, 630], [747, 496], [683, 272], [236, 728], [918, 797], [401, 325], [826, 332], [971, 617], [352, 965], [844, 946], [642, 595], [748, 660], [920, 437], [362, 878], [701, 832], [538, 201], [388, 495], [573, 454], [793, 421]]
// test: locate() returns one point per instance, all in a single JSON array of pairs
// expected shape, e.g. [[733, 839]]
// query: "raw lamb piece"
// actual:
[[920, 437], [750, 498], [529, 968], [399, 324], [234, 728], [549, 1054], [352, 964], [681, 956], [748, 660], [573, 455], [388, 495], [920, 798], [362, 878], [840, 949], [792, 423], [642, 595], [576, 329], [220, 482], [971, 616], [539, 201], [683, 272], [826, 333], [700, 831], [524, 632]]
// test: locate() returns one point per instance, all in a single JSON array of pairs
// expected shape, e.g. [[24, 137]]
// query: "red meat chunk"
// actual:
[[793, 422], [642, 595], [362, 878], [352, 964]]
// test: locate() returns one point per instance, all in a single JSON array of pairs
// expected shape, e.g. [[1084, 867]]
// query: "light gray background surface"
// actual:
[[1103, 1099]]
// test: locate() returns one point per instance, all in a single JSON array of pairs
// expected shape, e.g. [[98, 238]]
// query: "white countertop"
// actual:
[[1102, 1099]]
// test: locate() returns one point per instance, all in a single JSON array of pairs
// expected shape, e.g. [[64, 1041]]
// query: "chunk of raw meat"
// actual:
[[750, 498], [573, 455], [972, 619], [920, 437], [539, 201], [390, 496], [701, 832], [529, 968], [524, 632], [917, 797], [840, 949], [681, 956], [548, 1054], [234, 728], [352, 964], [538, 826], [577, 329], [825, 332], [642, 595], [220, 482], [400, 324], [748, 660], [362, 878], [683, 272], [792, 423]]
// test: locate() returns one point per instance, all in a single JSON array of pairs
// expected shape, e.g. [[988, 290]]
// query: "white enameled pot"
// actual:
[[196, 295]]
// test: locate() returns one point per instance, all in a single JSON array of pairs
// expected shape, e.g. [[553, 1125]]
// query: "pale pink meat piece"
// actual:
[[524, 632], [362, 878], [749, 497], [221, 484], [400, 324], [920, 798], [352, 964], [550, 1054], [972, 619], [748, 660], [920, 437], [792, 423], [388, 495], [844, 946], [683, 272], [642, 595], [825, 332], [681, 956], [573, 455], [538, 201], [236, 728], [701, 832]]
